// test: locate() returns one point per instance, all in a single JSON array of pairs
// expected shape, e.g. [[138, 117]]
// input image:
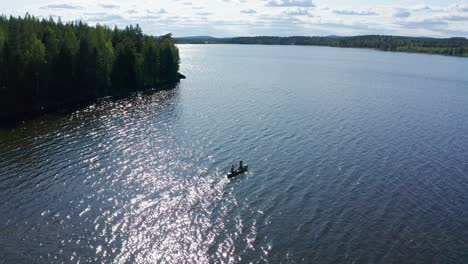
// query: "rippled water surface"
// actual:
[[356, 156]]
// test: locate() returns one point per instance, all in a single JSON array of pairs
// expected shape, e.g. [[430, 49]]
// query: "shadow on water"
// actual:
[[11, 121]]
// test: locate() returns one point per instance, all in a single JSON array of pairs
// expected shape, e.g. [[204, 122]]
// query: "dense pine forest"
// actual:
[[46, 64], [449, 46]]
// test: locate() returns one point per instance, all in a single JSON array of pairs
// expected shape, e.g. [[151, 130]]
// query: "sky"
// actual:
[[228, 18]]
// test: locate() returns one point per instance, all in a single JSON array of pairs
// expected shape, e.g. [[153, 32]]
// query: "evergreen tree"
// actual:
[[44, 63]]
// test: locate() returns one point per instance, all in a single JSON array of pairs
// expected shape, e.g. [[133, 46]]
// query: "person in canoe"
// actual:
[[235, 172]]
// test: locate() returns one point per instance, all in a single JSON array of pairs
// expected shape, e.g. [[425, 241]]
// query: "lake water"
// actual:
[[355, 156]]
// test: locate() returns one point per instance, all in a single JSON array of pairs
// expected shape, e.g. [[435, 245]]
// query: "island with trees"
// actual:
[[447, 46], [47, 64]]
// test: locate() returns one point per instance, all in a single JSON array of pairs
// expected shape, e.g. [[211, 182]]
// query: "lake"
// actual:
[[355, 156]]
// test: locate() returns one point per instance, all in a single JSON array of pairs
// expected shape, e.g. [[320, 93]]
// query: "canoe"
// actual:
[[238, 172]]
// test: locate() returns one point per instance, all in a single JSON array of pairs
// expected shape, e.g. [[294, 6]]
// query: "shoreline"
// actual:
[[15, 118], [453, 47], [333, 47]]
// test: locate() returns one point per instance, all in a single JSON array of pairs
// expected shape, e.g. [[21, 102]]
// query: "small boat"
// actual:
[[238, 172]]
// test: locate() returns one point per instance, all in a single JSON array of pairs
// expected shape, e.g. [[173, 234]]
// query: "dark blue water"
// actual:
[[355, 156]]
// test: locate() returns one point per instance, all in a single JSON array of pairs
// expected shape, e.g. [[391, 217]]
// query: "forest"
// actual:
[[47, 64], [449, 46]]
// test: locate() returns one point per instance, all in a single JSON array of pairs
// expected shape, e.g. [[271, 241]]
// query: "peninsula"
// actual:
[[47, 64]]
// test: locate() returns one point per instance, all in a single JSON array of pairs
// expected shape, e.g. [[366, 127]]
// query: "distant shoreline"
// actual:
[[457, 47]]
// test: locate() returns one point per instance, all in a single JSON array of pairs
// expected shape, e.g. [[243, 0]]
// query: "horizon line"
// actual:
[[319, 36]]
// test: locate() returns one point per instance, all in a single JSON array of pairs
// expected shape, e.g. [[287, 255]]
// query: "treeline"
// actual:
[[449, 46], [46, 63]]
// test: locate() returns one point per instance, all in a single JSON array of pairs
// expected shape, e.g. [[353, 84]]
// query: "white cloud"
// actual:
[[298, 12], [61, 6], [160, 11], [444, 18], [109, 6], [402, 13], [204, 13], [248, 11], [288, 3], [355, 12], [425, 23]]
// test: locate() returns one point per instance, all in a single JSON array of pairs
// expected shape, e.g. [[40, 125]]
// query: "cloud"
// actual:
[[421, 8], [149, 17], [108, 6], [204, 13], [108, 19], [271, 17], [426, 8], [289, 3], [355, 26], [355, 12], [160, 11], [298, 12], [280, 21], [439, 23], [94, 13], [61, 6], [424, 24], [402, 13], [461, 8], [248, 11], [454, 18]]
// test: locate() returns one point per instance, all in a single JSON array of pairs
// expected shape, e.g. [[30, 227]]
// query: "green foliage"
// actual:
[[2, 44], [2, 38], [151, 66], [35, 54], [44, 63], [70, 42], [51, 43]]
